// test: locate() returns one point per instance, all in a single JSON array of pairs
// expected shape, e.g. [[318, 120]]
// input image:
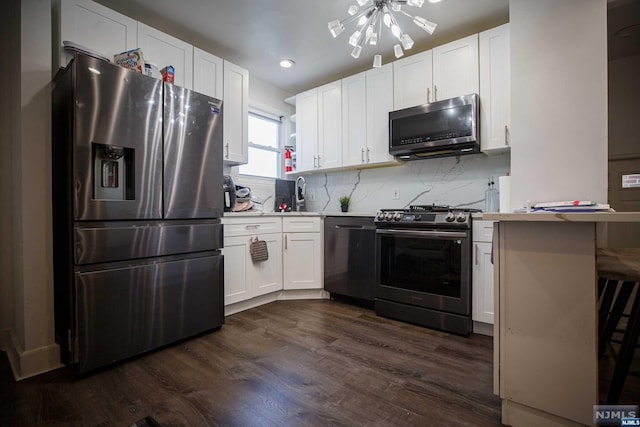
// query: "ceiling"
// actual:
[[256, 34]]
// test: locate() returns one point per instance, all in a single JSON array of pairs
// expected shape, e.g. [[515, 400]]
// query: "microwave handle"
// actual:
[[435, 92], [428, 95]]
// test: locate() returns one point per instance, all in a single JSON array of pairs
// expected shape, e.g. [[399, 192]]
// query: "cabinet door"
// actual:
[[302, 260], [266, 276], [330, 125], [307, 130], [495, 88], [412, 80], [94, 26], [162, 49], [455, 68], [482, 309], [379, 104], [354, 120], [236, 254], [207, 73], [235, 114]]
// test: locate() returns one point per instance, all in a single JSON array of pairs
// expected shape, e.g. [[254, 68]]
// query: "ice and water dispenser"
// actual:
[[113, 172]]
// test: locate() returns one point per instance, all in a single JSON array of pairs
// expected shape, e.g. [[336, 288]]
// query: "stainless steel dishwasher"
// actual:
[[349, 257]]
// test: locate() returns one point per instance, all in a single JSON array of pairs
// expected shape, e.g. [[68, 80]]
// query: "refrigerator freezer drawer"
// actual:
[[122, 312], [123, 241]]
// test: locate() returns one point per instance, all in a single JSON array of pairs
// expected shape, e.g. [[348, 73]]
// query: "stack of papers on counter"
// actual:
[[568, 206]]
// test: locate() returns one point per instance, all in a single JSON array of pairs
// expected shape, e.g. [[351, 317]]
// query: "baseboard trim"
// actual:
[[29, 363], [483, 328], [275, 296]]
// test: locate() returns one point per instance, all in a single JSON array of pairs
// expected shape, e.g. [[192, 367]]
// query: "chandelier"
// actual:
[[370, 16]]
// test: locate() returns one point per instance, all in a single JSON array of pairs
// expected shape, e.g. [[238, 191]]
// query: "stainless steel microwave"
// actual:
[[443, 128]]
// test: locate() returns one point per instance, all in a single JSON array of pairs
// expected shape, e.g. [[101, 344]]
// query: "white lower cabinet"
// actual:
[[243, 278], [302, 253], [482, 273]]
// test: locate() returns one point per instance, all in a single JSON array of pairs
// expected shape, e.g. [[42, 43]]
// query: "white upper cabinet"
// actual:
[[93, 26], [354, 120], [495, 88], [319, 128], [162, 50], [330, 126], [455, 68], [235, 114], [307, 130], [207, 73], [379, 104], [413, 80]]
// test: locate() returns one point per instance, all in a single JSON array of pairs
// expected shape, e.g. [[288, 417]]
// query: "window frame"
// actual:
[[259, 113]]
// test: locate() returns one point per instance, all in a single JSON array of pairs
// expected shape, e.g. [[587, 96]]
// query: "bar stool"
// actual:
[[618, 276]]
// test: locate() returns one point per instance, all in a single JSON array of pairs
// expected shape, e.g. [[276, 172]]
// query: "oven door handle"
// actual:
[[426, 233]]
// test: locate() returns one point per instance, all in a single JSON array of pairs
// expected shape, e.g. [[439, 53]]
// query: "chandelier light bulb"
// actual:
[[356, 51], [377, 61], [428, 26], [362, 20], [335, 28], [396, 6], [395, 30], [353, 9], [407, 41], [374, 39], [397, 50], [355, 37], [368, 33], [417, 3], [362, 2], [387, 19]]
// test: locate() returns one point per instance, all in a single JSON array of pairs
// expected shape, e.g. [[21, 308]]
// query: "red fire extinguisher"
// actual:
[[287, 160]]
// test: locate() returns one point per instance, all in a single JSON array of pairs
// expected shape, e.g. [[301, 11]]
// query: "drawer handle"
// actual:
[[254, 226], [285, 241]]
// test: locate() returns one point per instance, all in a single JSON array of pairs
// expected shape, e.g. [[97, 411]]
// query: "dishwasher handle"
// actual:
[[355, 227]]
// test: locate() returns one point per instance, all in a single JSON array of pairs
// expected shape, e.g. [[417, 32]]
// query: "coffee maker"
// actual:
[[229, 192]]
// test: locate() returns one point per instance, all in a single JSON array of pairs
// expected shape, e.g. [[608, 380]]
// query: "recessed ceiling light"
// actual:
[[287, 63]]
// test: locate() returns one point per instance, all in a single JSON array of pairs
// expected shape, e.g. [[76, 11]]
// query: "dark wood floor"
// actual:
[[293, 363]]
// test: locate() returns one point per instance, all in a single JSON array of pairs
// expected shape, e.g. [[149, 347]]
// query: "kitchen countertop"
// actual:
[[287, 214], [564, 217]]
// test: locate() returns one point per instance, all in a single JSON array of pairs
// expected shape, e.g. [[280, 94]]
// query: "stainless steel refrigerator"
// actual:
[[137, 201]]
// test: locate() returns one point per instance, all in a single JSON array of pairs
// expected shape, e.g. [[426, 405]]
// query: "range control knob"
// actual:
[[450, 217], [397, 216], [388, 216], [462, 217], [418, 217], [380, 216]]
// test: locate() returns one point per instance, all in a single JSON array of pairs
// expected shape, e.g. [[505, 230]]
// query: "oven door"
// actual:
[[425, 268]]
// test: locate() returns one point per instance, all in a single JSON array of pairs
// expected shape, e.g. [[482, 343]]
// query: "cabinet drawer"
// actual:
[[303, 224], [482, 230], [251, 226]]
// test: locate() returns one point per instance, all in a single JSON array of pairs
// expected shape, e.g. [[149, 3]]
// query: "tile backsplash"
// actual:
[[456, 181]]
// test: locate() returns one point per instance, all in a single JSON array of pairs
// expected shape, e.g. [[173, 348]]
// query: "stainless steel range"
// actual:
[[423, 268]]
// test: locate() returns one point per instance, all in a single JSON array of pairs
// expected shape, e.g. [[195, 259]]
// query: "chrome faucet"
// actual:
[[301, 189]]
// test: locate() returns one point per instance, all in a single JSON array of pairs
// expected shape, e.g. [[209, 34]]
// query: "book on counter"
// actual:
[[568, 206]]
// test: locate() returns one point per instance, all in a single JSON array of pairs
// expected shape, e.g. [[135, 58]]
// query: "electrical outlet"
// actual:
[[396, 194]]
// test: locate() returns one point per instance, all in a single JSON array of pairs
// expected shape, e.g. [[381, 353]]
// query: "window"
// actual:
[[264, 147]]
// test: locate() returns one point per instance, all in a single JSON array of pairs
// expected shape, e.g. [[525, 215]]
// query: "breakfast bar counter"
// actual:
[[545, 330]]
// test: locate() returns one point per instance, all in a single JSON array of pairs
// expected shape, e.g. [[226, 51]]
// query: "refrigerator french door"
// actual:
[[137, 201]]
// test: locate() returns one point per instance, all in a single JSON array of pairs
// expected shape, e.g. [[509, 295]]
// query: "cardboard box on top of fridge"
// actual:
[[131, 59]]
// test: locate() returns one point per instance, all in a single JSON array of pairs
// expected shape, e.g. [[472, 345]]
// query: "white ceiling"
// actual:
[[256, 34]]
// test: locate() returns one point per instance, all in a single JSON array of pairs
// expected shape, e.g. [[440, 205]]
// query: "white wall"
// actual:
[[558, 100], [31, 349], [624, 92]]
